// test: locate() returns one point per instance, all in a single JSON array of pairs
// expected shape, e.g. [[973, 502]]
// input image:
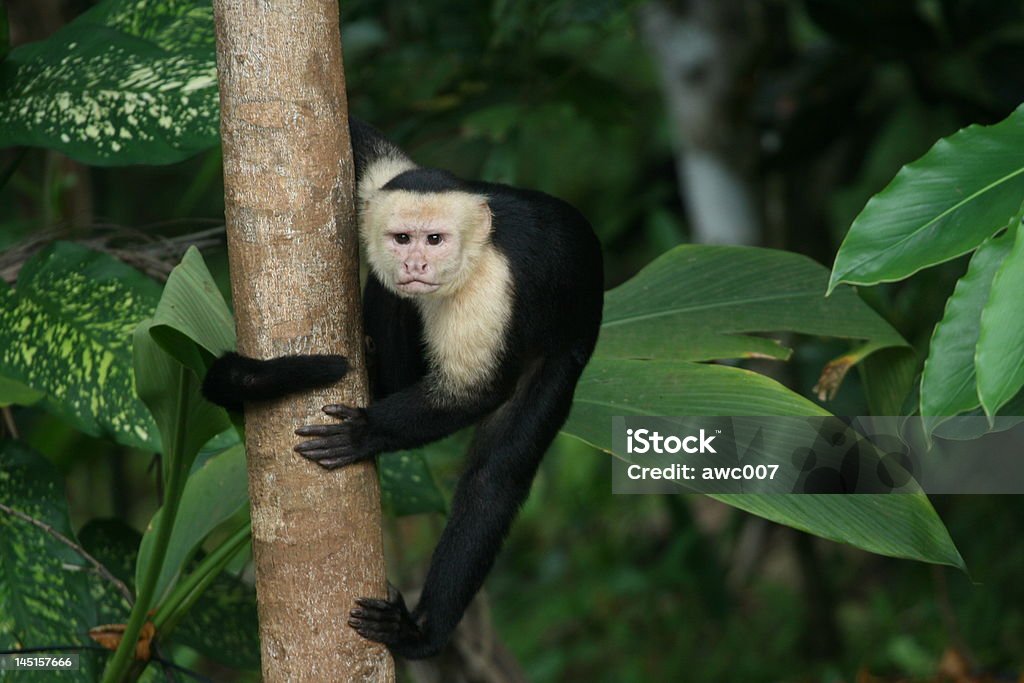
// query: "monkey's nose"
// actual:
[[416, 267]]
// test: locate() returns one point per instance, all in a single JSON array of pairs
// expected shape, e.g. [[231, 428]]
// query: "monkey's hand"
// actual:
[[337, 445], [389, 622]]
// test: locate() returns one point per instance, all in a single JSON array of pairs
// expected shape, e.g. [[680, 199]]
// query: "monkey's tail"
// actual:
[[234, 379]]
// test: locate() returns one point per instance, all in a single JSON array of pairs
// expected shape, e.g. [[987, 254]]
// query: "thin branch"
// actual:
[[96, 564], [153, 254]]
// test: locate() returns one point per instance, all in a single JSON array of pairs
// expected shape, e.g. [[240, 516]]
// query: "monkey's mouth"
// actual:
[[418, 286]]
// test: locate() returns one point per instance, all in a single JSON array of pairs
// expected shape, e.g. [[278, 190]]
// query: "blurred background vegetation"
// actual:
[[806, 109]]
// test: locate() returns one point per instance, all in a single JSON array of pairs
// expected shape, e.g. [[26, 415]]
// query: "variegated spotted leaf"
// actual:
[[127, 82], [66, 332], [44, 584]]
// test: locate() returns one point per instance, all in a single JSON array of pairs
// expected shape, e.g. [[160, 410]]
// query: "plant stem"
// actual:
[[189, 589], [119, 664]]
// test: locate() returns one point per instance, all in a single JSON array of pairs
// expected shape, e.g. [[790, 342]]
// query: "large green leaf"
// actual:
[[902, 525], [172, 393], [193, 322], [66, 332], [44, 586], [612, 387], [1000, 355], [213, 494], [938, 207], [127, 82], [700, 302], [949, 382]]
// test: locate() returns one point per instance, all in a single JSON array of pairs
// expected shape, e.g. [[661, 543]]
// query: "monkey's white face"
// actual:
[[421, 244]]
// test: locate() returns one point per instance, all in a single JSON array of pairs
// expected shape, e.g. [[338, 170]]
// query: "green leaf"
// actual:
[[223, 624], [700, 302], [115, 545], [901, 525], [14, 393], [897, 525], [172, 393], [889, 379], [192, 322], [948, 381], [1000, 355], [44, 586], [66, 333], [213, 493], [611, 387], [938, 207], [127, 82], [406, 484]]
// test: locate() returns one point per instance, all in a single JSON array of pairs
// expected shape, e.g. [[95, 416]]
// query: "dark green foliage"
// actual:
[[44, 585]]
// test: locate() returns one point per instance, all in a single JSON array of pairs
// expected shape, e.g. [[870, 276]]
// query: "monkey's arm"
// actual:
[[503, 459], [405, 419]]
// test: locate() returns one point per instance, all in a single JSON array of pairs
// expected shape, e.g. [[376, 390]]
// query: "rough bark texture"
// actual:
[[292, 243]]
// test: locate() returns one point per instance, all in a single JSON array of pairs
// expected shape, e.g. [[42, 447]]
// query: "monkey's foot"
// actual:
[[389, 622], [338, 444]]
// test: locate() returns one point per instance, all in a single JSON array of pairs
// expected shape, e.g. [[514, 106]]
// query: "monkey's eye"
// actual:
[[435, 239], [402, 238]]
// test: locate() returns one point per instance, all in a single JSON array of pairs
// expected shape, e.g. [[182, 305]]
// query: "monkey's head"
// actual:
[[424, 244]]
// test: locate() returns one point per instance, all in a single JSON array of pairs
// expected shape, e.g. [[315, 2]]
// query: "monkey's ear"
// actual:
[[482, 217]]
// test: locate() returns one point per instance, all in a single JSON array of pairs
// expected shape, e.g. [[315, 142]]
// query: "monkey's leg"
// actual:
[[503, 459]]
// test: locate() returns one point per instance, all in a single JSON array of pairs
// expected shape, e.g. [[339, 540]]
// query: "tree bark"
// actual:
[[292, 244]]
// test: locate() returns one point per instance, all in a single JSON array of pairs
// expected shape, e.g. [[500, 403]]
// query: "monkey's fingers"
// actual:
[[333, 458], [342, 411], [377, 606], [319, 430], [388, 616], [343, 455], [377, 620], [388, 634], [340, 441], [332, 463]]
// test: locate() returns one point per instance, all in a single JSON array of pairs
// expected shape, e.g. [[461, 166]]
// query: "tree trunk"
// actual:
[[701, 49], [288, 180]]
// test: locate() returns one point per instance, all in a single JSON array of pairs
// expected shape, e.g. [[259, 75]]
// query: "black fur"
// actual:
[[234, 379], [556, 267], [368, 145], [426, 180]]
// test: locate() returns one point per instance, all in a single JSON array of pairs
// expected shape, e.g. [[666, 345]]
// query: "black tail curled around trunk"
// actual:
[[234, 379]]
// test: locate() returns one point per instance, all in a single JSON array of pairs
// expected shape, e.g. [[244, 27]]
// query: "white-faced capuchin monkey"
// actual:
[[482, 304]]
